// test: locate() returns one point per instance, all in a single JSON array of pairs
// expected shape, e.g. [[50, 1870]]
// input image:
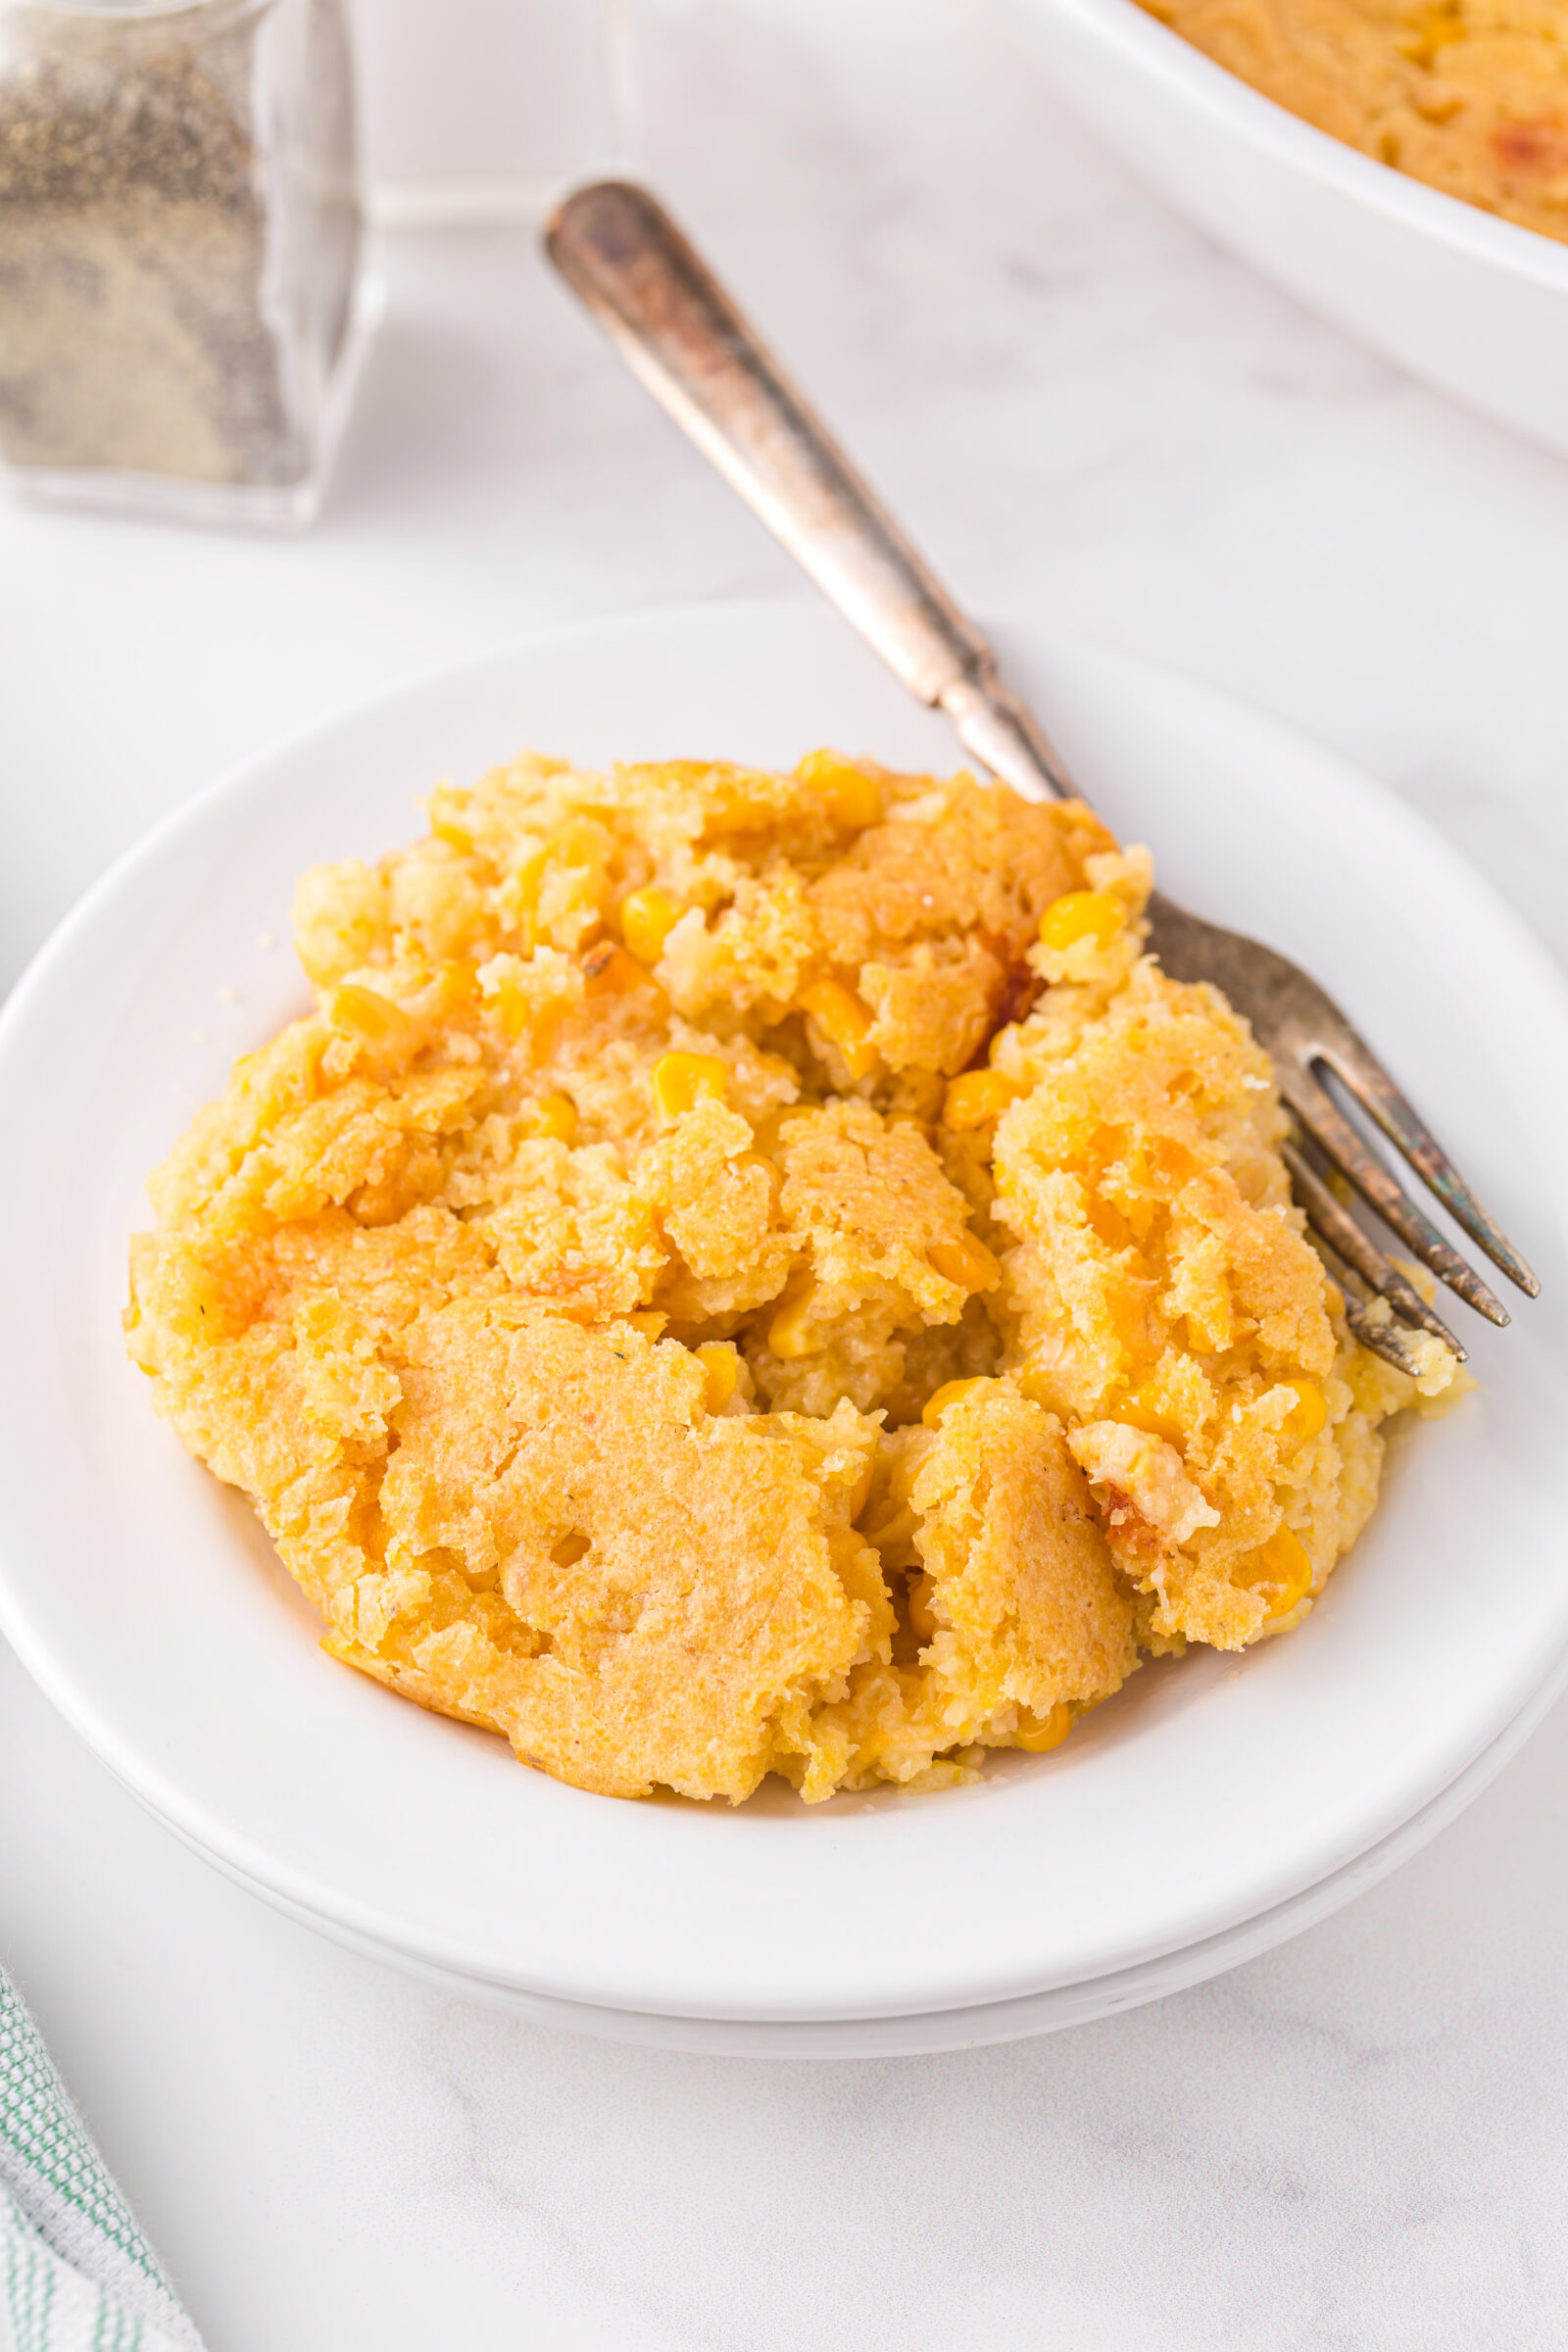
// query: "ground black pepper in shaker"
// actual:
[[179, 240]]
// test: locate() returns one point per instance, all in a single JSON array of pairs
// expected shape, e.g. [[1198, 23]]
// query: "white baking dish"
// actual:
[[1474, 304]]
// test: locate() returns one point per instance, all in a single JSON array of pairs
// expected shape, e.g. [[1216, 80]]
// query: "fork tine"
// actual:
[[1394, 1341], [1336, 1226], [1390, 1340], [1299, 1026], [1359, 1069], [1332, 1133]]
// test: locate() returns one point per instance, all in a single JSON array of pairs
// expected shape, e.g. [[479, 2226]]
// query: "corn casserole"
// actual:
[[1469, 95], [747, 1272]]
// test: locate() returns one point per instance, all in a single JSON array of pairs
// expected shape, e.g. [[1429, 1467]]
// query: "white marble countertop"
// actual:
[[1088, 413]]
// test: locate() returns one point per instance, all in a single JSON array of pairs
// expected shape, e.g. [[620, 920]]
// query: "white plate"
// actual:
[[1211, 1792], [921, 2034], [1475, 305]]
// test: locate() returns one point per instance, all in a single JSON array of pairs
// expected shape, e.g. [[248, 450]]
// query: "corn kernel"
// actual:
[[720, 1372], [554, 1116], [965, 1261], [649, 1321], [374, 1019], [609, 971], [457, 983], [512, 1002], [1038, 1735], [1281, 1562], [581, 841], [580, 844], [843, 1018], [920, 1593], [1303, 1423], [787, 1335], [1081, 914], [447, 819], [978, 1095], [1423, 48], [854, 798], [521, 897], [1140, 1411], [759, 1159], [680, 1081], [952, 1392], [647, 919]]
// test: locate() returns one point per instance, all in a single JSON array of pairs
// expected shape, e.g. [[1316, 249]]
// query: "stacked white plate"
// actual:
[[1214, 1808]]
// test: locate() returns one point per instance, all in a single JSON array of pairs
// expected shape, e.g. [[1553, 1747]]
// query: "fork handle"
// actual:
[[682, 335]]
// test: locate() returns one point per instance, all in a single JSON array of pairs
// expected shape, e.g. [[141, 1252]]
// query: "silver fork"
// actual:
[[682, 335]]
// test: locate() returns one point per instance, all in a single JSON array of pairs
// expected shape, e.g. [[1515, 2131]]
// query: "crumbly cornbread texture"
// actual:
[[1469, 95], [747, 1272]]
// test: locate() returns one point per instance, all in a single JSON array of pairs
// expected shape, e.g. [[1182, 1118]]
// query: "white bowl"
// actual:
[[1473, 305], [1213, 1796]]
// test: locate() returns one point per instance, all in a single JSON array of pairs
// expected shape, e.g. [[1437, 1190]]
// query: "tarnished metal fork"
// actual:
[[683, 336]]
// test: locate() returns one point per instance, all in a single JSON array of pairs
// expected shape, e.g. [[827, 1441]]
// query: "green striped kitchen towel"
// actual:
[[75, 2273]]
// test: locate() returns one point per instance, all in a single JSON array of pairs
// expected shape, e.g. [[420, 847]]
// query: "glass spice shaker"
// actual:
[[182, 304]]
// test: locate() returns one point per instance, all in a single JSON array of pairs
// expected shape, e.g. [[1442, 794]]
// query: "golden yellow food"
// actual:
[[751, 1273], [1469, 95]]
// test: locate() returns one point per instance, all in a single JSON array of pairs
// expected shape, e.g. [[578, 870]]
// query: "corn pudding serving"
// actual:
[[749, 1272], [1469, 95]]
